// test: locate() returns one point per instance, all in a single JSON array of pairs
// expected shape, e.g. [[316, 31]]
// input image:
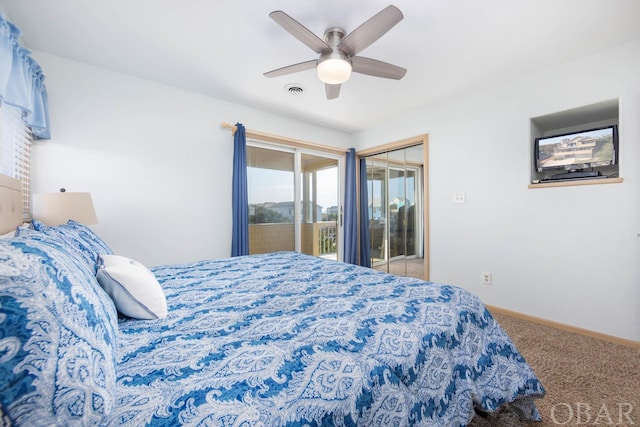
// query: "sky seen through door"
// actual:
[[269, 185]]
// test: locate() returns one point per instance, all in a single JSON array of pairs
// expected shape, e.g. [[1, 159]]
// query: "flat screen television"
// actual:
[[577, 151]]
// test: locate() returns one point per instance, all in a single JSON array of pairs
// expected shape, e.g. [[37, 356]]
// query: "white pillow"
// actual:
[[133, 288]]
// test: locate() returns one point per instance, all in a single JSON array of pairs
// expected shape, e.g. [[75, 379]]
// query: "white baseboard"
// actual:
[[593, 334]]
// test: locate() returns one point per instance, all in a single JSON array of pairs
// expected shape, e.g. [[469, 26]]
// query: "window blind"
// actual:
[[15, 152]]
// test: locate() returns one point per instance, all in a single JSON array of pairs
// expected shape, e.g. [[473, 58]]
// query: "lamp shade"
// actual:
[[334, 71], [58, 208]]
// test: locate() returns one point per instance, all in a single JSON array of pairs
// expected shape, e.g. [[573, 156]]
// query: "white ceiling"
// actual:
[[221, 48]]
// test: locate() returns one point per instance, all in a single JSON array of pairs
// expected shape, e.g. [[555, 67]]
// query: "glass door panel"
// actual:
[[414, 161], [397, 201], [411, 218], [377, 196], [270, 185], [319, 200]]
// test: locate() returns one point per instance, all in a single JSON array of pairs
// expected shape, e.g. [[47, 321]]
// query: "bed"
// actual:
[[279, 339]]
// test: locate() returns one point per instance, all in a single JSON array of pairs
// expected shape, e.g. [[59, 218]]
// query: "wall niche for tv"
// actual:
[[598, 115]]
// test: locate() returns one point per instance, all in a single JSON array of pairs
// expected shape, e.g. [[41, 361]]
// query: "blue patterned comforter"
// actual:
[[286, 339]]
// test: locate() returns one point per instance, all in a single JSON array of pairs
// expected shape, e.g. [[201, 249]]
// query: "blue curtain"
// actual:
[[22, 81], [240, 198], [365, 243], [350, 210]]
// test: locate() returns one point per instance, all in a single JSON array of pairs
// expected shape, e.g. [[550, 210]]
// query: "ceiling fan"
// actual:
[[338, 50]]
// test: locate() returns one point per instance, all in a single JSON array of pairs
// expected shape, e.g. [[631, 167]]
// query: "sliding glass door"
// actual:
[[394, 187], [294, 201]]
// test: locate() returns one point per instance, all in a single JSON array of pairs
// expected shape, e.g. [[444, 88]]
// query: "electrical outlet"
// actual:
[[459, 198], [486, 278]]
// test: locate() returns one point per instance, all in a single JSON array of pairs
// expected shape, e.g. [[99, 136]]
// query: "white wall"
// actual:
[[159, 168], [569, 254], [154, 158]]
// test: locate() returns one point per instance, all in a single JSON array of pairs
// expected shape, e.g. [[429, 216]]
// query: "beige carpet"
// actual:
[[588, 381]]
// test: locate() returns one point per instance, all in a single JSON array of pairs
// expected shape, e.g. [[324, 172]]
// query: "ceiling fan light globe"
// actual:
[[334, 71]]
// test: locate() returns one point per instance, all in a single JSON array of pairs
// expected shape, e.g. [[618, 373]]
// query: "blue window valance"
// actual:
[[22, 81]]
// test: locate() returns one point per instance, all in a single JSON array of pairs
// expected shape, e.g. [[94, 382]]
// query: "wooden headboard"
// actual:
[[10, 203]]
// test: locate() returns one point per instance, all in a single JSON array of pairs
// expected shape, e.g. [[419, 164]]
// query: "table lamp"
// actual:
[[57, 208]]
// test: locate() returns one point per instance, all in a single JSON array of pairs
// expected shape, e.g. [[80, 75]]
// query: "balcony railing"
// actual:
[[318, 239], [326, 237]]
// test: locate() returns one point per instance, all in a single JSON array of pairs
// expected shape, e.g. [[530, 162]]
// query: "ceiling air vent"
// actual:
[[294, 89]]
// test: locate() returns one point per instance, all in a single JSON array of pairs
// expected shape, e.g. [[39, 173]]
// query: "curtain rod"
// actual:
[[229, 126], [262, 136]]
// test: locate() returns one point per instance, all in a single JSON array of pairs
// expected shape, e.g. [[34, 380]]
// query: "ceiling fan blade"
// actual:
[[371, 30], [300, 32], [289, 69], [373, 67], [333, 91]]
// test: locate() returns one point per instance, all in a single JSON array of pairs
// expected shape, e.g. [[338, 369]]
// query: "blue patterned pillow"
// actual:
[[57, 337], [79, 238], [91, 238]]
